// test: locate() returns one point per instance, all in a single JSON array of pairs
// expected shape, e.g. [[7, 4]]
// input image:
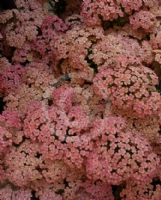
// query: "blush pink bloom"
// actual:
[[143, 19], [132, 88]]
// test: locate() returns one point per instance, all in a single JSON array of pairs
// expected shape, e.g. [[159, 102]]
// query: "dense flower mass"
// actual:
[[80, 100], [129, 87]]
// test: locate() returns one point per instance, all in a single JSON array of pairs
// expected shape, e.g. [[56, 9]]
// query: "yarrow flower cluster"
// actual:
[[80, 100]]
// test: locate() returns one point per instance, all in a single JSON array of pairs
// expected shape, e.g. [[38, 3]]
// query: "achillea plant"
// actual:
[[80, 113]]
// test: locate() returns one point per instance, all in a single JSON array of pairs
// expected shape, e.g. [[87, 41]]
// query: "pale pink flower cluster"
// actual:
[[143, 19], [95, 11], [129, 87], [119, 155], [140, 190]]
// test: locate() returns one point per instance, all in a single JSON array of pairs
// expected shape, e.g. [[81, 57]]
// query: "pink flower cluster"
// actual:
[[80, 100], [96, 11], [129, 87]]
